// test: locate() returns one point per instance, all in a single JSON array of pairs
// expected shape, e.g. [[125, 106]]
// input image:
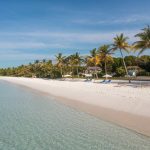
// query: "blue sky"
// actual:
[[38, 29]]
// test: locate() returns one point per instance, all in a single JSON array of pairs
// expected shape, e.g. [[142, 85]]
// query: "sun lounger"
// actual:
[[109, 81], [103, 81]]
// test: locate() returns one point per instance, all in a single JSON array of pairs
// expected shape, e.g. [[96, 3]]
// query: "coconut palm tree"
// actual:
[[144, 40], [93, 52], [105, 55], [72, 62], [93, 59], [60, 62], [121, 44], [77, 61], [44, 61], [36, 61]]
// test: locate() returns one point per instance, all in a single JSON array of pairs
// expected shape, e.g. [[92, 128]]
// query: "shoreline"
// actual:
[[85, 97]]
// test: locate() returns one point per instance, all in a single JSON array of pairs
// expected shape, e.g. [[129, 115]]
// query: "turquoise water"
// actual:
[[29, 121]]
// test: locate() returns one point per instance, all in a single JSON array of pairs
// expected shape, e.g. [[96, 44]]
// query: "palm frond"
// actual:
[[144, 42]]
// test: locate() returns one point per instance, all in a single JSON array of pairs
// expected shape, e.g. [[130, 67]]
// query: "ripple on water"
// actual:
[[34, 122]]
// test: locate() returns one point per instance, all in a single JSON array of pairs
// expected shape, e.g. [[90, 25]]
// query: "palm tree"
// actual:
[[77, 61], [44, 61], [105, 55], [93, 59], [60, 62], [36, 61], [93, 52], [70, 60], [121, 44], [89, 60], [144, 40]]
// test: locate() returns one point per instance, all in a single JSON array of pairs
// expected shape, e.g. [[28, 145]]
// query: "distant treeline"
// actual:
[[45, 69]]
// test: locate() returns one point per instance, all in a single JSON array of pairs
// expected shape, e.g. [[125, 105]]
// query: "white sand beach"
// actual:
[[123, 104]]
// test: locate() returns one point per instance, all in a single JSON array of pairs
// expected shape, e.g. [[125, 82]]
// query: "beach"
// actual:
[[121, 104]]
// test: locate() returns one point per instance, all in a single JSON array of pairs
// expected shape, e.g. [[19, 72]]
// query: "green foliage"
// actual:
[[144, 62], [130, 60], [144, 40], [117, 62], [45, 69], [120, 71], [55, 73]]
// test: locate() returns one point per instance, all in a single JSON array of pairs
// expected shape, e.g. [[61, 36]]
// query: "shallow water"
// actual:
[[29, 121]]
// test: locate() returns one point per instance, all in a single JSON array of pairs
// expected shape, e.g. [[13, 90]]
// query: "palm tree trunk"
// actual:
[[72, 71], [77, 72], [125, 65], [105, 69], [96, 73], [124, 62], [61, 71]]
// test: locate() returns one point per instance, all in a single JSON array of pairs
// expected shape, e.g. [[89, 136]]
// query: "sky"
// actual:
[[39, 29]]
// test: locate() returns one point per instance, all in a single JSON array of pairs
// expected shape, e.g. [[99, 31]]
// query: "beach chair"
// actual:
[[88, 80], [109, 81], [103, 81]]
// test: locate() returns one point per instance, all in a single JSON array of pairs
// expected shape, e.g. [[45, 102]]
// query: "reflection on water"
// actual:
[[34, 122]]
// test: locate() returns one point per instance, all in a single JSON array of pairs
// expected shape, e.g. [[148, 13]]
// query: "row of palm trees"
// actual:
[[72, 61], [103, 53]]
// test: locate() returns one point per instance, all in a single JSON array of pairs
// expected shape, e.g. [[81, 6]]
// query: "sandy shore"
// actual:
[[125, 105]]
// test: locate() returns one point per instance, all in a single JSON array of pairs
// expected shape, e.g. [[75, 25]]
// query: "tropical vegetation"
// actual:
[[144, 40]]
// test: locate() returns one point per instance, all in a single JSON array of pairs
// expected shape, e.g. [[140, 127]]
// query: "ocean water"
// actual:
[[31, 121]]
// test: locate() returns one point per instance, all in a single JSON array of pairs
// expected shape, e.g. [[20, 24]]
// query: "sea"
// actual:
[[33, 121]]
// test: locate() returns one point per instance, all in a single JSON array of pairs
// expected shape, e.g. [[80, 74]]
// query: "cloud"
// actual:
[[27, 45], [123, 20], [35, 40], [23, 45], [132, 19], [14, 55]]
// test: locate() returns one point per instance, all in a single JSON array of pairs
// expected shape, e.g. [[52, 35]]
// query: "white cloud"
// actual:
[[16, 49], [43, 40], [21, 56], [16, 45], [28, 45], [122, 20], [132, 19]]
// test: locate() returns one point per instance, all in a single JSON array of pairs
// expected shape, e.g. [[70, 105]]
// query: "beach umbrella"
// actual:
[[88, 75], [107, 76], [67, 75]]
